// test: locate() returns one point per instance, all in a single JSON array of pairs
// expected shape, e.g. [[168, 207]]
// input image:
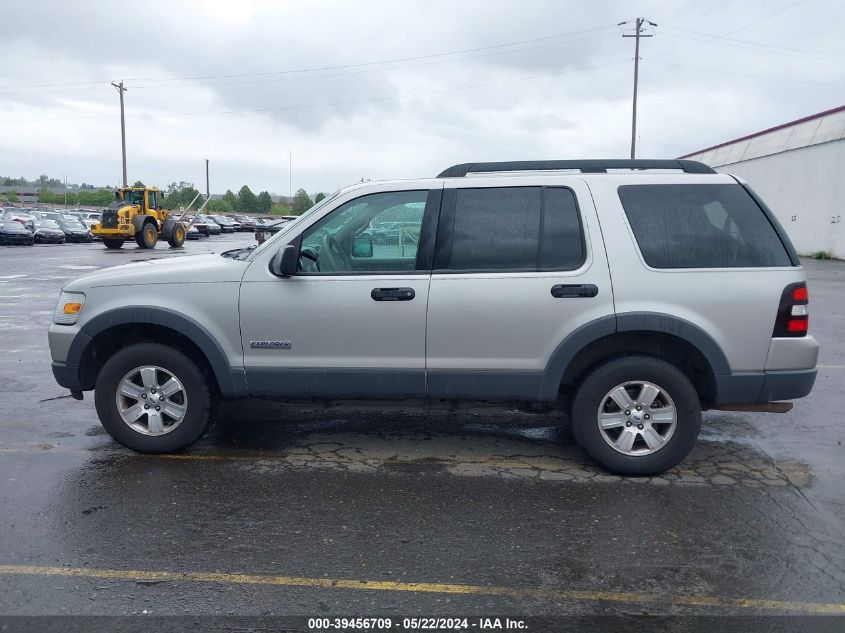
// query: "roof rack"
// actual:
[[592, 166]]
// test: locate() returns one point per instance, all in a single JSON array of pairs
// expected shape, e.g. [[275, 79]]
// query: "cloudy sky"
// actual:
[[393, 89]]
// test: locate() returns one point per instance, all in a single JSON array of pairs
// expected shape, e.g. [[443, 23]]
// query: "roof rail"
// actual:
[[591, 166]]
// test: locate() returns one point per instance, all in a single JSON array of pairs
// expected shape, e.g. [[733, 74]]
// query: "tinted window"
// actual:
[[516, 228], [701, 226]]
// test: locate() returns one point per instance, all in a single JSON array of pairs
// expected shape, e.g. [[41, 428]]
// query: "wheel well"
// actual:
[[113, 339], [677, 351]]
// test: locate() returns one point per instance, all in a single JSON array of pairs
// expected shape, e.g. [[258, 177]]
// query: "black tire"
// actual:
[[590, 395], [177, 236], [147, 237], [112, 243], [196, 418]]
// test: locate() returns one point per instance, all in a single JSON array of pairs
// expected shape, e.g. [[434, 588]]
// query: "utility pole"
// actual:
[[121, 90], [638, 33], [290, 176], [207, 190], [65, 193]]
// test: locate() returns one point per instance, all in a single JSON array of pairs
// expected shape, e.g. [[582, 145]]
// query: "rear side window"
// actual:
[[516, 228], [701, 226]]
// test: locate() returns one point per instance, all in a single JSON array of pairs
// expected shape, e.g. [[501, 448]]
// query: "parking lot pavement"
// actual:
[[328, 510]]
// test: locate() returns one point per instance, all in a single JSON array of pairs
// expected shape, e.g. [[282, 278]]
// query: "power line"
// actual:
[[731, 32], [752, 76], [337, 103], [776, 47], [324, 68]]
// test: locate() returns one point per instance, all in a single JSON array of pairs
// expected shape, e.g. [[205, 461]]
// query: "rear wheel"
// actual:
[[636, 415], [147, 237], [152, 398], [112, 243], [177, 236]]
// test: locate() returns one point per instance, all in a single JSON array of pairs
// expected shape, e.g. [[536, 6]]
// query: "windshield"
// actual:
[[286, 226], [47, 224], [74, 224]]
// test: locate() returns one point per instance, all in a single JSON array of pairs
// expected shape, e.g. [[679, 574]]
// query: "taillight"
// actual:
[[793, 317]]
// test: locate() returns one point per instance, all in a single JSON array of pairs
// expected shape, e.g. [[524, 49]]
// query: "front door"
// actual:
[[351, 323]]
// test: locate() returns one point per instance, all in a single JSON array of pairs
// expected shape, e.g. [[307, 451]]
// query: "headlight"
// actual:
[[68, 308]]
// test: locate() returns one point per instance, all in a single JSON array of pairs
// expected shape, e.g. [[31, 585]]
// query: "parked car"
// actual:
[[201, 227], [12, 232], [19, 215], [47, 214], [227, 225], [247, 223], [213, 227], [48, 232], [75, 230], [193, 234], [707, 309]]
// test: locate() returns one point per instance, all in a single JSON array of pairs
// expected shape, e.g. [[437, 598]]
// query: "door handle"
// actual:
[[563, 291], [393, 294]]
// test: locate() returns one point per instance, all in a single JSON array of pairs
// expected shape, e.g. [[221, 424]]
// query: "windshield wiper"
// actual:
[[239, 253]]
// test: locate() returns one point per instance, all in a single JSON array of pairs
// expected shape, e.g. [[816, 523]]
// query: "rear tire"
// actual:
[[147, 237], [177, 236], [114, 244], [636, 441], [145, 370]]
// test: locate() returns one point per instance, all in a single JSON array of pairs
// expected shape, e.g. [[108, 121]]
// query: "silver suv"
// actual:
[[633, 294]]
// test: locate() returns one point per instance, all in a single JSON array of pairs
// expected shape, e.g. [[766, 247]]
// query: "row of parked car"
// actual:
[[46, 226], [27, 226]]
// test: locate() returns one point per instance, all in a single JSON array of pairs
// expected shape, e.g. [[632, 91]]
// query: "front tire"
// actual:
[[152, 398], [177, 236], [147, 237], [636, 415]]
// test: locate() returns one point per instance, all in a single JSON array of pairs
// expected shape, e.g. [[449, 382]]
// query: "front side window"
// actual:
[[515, 229], [701, 226], [375, 233]]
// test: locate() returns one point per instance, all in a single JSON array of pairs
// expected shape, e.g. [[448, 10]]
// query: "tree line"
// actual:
[[176, 195]]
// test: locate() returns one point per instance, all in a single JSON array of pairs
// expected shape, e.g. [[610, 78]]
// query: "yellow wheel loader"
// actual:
[[136, 214]]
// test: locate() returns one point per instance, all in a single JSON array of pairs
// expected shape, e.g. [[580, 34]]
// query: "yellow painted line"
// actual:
[[816, 608]]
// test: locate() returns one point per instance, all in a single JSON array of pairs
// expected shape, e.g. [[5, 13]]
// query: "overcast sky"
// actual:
[[394, 89]]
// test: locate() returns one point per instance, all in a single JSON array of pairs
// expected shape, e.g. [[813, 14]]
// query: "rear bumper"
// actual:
[[765, 386]]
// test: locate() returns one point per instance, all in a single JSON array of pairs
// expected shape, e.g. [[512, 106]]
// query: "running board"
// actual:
[[767, 407]]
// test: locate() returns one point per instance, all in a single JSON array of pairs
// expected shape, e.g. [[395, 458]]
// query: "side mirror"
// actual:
[[285, 261], [362, 246]]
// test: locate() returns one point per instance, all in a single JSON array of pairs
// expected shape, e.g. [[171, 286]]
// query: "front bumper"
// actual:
[[15, 238], [67, 377]]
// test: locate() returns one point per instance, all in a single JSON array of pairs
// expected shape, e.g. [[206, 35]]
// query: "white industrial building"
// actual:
[[799, 170]]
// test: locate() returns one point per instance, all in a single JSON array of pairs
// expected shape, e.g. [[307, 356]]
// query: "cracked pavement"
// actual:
[[473, 496]]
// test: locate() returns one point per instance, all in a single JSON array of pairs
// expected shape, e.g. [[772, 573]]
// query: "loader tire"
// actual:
[[177, 236], [147, 236]]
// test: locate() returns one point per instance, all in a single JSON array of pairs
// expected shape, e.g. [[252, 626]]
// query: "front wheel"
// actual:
[[177, 236], [114, 244], [147, 237], [636, 415], [152, 398]]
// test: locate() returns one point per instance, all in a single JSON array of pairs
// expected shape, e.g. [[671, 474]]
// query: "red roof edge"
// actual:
[[771, 129]]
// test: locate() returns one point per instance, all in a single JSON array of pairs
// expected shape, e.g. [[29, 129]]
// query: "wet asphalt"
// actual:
[[316, 510]]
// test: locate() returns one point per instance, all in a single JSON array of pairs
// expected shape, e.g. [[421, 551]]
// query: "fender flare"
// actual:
[[590, 332], [138, 221], [231, 380]]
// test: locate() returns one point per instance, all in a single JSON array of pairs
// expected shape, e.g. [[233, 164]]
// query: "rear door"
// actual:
[[518, 266]]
